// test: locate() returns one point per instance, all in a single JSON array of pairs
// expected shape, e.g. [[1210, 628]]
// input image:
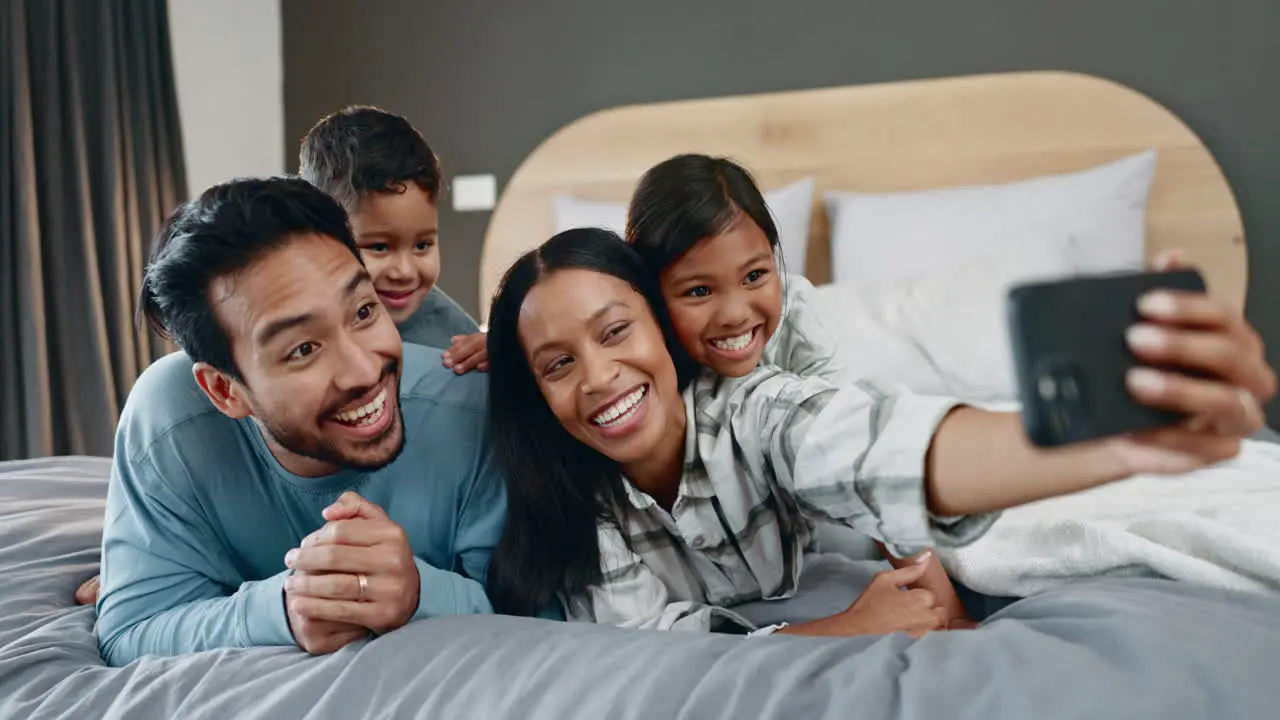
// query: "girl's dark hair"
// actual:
[[687, 198], [558, 489]]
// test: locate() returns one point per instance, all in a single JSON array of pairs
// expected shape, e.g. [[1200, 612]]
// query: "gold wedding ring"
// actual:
[[364, 586]]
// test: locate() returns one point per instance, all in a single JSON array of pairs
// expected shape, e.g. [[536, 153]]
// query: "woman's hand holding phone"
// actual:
[[1226, 382]]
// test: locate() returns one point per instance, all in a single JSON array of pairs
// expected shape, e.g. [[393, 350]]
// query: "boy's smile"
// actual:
[[401, 299]]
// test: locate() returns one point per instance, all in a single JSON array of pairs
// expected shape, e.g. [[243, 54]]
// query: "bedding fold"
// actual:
[[1215, 527], [1119, 648]]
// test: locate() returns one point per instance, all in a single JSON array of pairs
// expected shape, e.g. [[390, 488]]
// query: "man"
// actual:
[[295, 475]]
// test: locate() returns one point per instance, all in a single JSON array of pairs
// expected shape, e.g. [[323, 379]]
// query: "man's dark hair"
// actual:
[[220, 233], [362, 149]]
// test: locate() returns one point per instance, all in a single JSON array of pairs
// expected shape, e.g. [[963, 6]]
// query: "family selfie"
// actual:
[[964, 384]]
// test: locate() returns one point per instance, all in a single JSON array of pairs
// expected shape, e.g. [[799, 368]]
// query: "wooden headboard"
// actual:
[[890, 137]]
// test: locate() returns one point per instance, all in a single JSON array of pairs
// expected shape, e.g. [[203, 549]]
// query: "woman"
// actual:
[[643, 497]]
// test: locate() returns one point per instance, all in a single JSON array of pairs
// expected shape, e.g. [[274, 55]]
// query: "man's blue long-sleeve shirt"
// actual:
[[200, 514]]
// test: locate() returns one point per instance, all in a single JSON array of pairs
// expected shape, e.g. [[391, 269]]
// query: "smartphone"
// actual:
[[1070, 355]]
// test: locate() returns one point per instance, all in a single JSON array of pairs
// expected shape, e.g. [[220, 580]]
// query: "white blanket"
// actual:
[[1218, 526]]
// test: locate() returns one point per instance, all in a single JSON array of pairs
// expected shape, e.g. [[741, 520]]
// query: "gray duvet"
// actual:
[[1109, 649]]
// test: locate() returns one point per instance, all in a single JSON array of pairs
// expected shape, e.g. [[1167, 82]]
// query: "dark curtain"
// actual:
[[91, 162]]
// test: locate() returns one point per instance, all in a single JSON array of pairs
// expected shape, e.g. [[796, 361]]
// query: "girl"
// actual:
[[703, 229], [702, 226], [642, 505]]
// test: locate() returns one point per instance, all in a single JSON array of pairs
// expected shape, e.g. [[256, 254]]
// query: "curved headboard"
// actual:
[[888, 137]]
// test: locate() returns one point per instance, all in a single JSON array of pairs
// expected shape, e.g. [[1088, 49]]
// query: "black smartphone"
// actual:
[[1070, 354]]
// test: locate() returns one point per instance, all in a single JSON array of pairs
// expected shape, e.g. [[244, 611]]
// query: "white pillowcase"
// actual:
[[791, 207], [873, 342], [892, 236], [944, 332]]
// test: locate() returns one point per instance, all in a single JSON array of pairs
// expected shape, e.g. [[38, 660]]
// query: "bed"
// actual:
[[1103, 649], [1173, 643]]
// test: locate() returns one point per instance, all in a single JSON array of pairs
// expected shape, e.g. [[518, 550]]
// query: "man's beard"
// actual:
[[316, 447], [322, 450]]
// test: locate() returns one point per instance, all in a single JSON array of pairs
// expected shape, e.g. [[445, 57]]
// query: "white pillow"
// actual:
[[890, 236], [958, 316], [791, 207], [944, 332], [873, 342]]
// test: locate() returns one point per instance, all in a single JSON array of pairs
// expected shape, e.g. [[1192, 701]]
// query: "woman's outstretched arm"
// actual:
[[981, 461]]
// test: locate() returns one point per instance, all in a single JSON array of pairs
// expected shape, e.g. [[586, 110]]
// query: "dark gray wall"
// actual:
[[485, 85]]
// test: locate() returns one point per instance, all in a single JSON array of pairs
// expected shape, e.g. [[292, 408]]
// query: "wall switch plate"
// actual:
[[474, 192]]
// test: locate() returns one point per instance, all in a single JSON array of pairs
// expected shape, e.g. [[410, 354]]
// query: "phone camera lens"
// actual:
[[1069, 390], [1048, 388]]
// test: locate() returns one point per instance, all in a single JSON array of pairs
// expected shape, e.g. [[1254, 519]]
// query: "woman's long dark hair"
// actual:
[[682, 200], [558, 489]]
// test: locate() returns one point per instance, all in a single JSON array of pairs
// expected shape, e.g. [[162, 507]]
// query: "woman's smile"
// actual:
[[602, 363]]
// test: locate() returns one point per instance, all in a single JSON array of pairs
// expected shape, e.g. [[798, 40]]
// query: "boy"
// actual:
[[386, 176]]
